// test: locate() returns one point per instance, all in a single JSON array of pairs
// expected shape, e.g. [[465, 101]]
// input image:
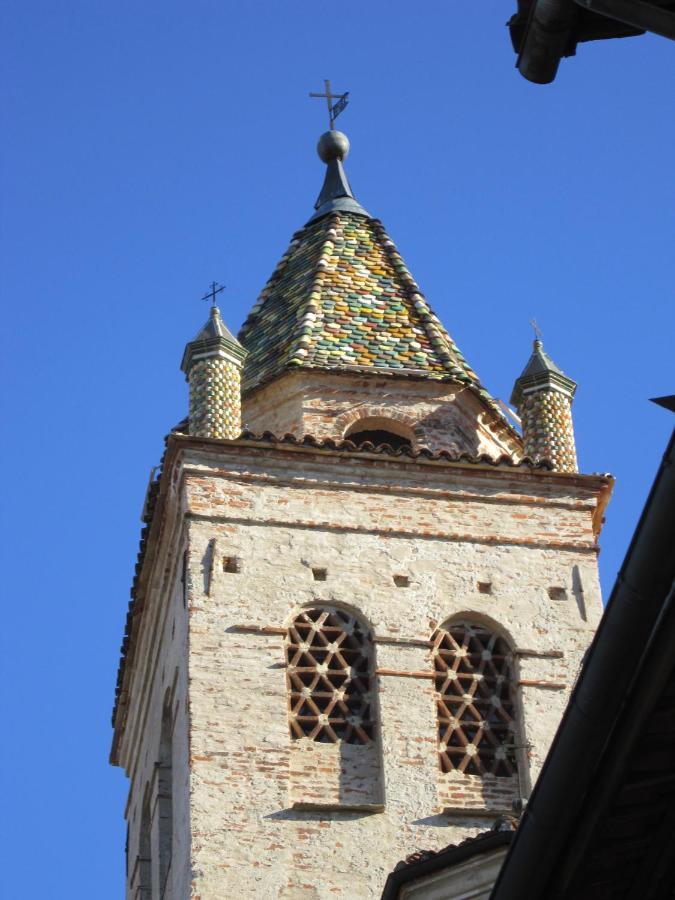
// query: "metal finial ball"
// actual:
[[333, 145]]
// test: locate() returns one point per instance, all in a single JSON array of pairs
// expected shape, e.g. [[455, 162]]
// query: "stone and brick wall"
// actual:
[[259, 814]]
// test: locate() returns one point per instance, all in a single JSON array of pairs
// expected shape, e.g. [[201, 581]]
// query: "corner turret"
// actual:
[[543, 397], [212, 364]]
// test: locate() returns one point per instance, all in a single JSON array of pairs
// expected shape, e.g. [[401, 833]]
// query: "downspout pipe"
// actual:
[[635, 604], [547, 39]]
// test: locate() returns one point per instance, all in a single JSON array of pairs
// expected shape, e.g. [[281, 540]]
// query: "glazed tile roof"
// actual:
[[342, 298]]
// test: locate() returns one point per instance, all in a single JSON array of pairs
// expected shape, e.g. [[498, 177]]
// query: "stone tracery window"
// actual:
[[328, 666], [475, 700]]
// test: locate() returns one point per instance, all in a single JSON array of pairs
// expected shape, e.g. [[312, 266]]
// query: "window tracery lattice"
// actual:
[[475, 700], [328, 666]]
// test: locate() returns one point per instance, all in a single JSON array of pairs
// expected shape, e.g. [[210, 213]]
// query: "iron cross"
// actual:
[[213, 292], [334, 109]]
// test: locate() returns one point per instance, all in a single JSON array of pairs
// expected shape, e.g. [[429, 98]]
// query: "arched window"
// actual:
[[165, 797], [378, 430], [475, 700], [328, 659]]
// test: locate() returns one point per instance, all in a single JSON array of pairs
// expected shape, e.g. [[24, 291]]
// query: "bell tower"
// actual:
[[354, 626]]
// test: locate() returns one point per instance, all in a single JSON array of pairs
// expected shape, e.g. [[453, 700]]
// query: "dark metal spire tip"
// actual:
[[336, 194]]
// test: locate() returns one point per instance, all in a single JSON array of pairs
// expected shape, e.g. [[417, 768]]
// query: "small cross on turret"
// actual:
[[214, 290]]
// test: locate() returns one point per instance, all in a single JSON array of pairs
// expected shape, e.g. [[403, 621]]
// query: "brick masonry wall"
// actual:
[[437, 415], [254, 830], [335, 775]]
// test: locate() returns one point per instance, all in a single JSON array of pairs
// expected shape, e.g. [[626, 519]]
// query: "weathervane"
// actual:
[[537, 330], [215, 289], [334, 109]]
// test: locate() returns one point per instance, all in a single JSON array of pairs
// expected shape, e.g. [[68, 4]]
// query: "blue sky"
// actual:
[[150, 148]]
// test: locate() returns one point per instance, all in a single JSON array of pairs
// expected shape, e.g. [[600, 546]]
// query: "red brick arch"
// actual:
[[380, 418]]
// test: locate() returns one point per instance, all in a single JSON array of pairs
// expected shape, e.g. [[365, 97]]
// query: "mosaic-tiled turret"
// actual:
[[543, 397], [212, 364]]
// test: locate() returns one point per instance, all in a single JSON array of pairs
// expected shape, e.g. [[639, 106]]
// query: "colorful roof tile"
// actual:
[[342, 298]]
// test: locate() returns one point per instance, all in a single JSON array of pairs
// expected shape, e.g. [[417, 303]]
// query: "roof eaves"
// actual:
[[444, 859], [403, 453], [152, 502]]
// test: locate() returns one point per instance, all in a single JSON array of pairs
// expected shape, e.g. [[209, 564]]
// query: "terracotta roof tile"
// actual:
[[347, 446]]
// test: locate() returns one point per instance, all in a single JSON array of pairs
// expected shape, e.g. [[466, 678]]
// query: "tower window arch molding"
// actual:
[[477, 710], [335, 749], [329, 671]]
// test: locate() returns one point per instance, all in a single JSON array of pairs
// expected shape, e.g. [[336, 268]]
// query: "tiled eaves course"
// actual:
[[369, 449], [341, 297], [288, 441]]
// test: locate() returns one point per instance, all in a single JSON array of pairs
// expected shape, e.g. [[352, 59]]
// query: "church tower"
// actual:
[[355, 624]]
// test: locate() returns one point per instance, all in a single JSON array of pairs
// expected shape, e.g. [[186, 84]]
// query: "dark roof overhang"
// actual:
[[444, 859]]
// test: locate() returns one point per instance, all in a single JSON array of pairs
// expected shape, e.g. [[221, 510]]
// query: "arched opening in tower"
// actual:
[[378, 431]]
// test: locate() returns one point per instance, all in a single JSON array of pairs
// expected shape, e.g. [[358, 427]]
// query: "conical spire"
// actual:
[[541, 372], [214, 328], [342, 299]]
